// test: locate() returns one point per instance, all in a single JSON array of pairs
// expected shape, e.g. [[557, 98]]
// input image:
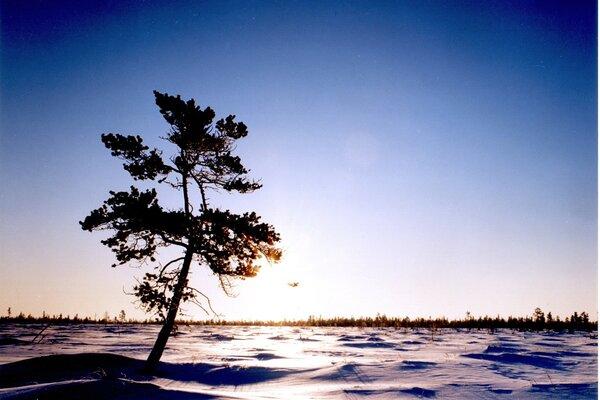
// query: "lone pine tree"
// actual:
[[227, 243]]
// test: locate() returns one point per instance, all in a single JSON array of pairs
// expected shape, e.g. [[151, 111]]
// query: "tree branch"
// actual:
[[207, 300], [162, 270]]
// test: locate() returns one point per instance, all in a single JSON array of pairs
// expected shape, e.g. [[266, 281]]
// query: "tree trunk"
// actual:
[[165, 332]]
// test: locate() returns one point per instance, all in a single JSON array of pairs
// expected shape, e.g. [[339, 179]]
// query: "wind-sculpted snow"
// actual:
[[96, 362]]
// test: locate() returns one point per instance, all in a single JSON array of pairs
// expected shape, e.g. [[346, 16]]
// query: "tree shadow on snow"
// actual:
[[91, 375], [228, 375]]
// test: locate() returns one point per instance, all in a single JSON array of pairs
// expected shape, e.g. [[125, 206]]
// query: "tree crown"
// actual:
[[228, 243]]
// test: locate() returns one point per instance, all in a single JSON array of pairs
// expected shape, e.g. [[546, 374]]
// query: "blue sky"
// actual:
[[418, 158]]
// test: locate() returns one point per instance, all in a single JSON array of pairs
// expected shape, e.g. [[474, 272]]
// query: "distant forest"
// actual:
[[539, 321]]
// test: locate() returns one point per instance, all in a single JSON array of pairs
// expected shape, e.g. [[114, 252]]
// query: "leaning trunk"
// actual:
[[165, 332]]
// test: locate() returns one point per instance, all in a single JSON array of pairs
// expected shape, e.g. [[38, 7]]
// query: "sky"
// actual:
[[419, 158]]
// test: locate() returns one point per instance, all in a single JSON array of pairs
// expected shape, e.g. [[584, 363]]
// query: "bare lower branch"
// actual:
[[207, 300], [196, 302], [162, 270]]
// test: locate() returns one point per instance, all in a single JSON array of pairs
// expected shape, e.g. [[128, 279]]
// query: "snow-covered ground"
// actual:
[[297, 363]]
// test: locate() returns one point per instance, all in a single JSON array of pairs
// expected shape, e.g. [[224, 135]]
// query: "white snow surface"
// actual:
[[214, 362]]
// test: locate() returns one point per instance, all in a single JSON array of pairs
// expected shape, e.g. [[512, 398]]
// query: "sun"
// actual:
[[274, 294]]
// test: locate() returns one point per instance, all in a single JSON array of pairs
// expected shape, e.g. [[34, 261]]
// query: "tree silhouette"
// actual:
[[203, 160]]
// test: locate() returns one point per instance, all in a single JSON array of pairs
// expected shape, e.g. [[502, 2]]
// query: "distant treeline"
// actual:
[[537, 322]]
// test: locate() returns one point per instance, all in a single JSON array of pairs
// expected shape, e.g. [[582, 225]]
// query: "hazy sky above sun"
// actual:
[[419, 158]]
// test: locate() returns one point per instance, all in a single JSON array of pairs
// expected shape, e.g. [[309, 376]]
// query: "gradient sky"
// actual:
[[419, 158]]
